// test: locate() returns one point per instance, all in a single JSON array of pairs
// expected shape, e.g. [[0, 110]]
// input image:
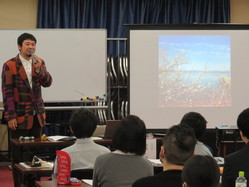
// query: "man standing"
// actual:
[[22, 78], [178, 147]]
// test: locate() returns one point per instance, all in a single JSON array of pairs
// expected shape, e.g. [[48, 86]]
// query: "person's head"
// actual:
[[130, 137], [178, 144], [83, 123], [243, 122], [197, 122], [26, 42], [201, 171]]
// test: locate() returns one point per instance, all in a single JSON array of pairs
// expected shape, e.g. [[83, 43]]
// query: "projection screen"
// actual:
[[175, 69]]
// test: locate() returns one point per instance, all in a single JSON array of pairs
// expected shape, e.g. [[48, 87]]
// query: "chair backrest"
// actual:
[[82, 173], [111, 127]]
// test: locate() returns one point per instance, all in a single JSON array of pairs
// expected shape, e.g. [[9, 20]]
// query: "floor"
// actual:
[[6, 179]]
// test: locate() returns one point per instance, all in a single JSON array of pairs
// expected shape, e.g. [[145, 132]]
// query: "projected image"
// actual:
[[194, 71]]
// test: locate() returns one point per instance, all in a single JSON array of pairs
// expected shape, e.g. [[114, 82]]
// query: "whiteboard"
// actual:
[[76, 59]]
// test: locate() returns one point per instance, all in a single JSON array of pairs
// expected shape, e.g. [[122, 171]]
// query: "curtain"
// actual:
[[113, 14]]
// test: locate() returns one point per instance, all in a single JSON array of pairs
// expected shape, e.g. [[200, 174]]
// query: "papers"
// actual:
[[150, 148], [88, 181], [219, 160], [96, 138], [156, 162], [61, 138], [44, 164], [69, 138]]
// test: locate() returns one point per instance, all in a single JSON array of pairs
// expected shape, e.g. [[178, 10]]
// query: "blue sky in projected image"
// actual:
[[212, 52]]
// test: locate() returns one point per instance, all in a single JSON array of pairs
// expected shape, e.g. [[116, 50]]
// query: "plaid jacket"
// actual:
[[19, 100]]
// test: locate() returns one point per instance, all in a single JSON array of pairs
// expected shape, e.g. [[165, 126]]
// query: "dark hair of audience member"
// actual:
[[130, 137], [83, 123], [197, 122], [201, 171], [243, 121], [179, 144]]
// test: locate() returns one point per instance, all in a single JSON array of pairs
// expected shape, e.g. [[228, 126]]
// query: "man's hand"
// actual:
[[38, 63], [12, 124]]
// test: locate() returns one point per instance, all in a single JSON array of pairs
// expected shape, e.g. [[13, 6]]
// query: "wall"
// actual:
[[18, 14], [239, 11]]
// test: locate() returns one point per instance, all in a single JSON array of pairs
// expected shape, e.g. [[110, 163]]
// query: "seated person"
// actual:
[[201, 171], [238, 161], [126, 164], [199, 124], [178, 147], [84, 151]]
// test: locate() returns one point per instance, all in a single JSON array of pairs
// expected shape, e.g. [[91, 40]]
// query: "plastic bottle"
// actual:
[[241, 180]]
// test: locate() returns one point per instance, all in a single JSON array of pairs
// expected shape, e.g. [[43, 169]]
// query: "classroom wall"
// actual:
[[18, 14], [22, 14], [239, 11]]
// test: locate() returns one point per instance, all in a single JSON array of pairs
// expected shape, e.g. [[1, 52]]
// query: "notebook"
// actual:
[[111, 127]]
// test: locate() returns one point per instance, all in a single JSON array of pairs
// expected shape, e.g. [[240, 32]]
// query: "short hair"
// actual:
[[179, 144], [243, 122], [197, 122], [130, 137], [201, 171], [83, 123], [25, 36]]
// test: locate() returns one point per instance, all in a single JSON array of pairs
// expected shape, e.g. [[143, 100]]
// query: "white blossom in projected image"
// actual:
[[194, 71]]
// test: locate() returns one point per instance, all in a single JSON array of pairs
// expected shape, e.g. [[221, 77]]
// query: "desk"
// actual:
[[26, 174], [37, 143], [54, 184], [227, 147]]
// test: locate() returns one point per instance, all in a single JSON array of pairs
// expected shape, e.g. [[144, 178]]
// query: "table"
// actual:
[[25, 174], [54, 184], [227, 147], [37, 143]]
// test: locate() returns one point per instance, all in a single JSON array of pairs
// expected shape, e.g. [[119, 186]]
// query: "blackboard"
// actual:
[[76, 59]]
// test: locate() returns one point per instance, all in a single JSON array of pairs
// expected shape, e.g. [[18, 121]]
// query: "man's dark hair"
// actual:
[[130, 136], [179, 144], [197, 122], [201, 171], [25, 36], [243, 122], [83, 123]]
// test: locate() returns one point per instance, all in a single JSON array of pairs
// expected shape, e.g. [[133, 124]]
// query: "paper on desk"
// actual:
[[58, 137], [44, 164], [88, 181], [150, 148], [96, 138], [156, 162]]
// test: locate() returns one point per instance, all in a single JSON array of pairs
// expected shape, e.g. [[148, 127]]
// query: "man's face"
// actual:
[[26, 47]]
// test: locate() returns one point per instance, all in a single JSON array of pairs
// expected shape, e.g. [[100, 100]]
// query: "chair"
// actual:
[[210, 149], [82, 173]]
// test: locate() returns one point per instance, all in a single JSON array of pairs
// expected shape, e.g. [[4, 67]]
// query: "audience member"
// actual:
[[238, 161], [178, 147], [201, 171], [199, 124], [126, 164], [84, 151]]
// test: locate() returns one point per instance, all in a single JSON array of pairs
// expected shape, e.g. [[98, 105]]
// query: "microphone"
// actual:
[[32, 52]]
